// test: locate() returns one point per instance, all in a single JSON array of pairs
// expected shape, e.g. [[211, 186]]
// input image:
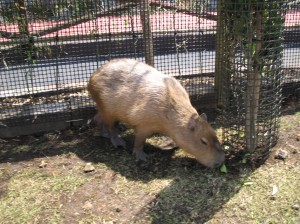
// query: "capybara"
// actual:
[[136, 94]]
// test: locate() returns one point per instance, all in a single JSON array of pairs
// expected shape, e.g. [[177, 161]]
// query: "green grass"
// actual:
[[256, 204], [32, 192]]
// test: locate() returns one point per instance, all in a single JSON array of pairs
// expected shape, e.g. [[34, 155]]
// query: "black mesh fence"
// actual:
[[49, 49], [251, 51], [291, 53]]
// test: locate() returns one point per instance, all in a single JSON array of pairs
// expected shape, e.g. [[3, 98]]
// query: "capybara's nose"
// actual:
[[219, 160]]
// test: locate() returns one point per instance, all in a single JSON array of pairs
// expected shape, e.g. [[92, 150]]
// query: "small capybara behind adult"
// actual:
[[138, 95]]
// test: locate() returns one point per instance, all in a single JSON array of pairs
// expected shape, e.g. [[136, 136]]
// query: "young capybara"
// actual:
[[140, 96]]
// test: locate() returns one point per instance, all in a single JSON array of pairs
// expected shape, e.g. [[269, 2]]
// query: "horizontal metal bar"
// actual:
[[96, 36]]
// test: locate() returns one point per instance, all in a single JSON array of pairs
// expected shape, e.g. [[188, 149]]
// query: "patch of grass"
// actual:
[[23, 148], [290, 121], [193, 196], [256, 204], [93, 219], [32, 193]]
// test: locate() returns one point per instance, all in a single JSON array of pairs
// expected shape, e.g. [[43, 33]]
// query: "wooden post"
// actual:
[[146, 23], [22, 19], [223, 54], [27, 44]]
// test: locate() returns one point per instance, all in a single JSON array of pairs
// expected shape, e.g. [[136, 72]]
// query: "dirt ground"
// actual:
[[43, 180]]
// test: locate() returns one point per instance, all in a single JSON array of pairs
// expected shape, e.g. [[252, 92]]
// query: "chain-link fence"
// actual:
[[50, 48]]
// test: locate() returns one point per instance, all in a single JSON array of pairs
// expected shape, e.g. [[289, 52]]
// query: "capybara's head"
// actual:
[[202, 142]]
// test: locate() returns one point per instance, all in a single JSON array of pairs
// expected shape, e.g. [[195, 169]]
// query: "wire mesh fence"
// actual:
[[249, 88], [49, 49], [291, 54]]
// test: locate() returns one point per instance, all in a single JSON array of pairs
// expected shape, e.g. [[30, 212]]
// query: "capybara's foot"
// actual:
[[117, 141], [140, 155]]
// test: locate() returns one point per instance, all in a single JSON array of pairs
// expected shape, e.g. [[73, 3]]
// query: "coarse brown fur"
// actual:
[[140, 96]]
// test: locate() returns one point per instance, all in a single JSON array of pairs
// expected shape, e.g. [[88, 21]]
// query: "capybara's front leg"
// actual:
[[139, 142]]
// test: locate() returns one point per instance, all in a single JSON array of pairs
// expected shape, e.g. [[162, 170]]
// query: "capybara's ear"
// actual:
[[203, 116], [192, 123]]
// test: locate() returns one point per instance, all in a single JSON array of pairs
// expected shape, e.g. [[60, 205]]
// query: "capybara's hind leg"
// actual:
[[116, 140], [109, 131], [102, 127]]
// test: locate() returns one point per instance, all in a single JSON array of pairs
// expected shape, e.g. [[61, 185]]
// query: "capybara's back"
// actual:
[[140, 96]]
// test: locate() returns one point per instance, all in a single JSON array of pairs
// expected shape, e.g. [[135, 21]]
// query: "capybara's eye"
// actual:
[[204, 141]]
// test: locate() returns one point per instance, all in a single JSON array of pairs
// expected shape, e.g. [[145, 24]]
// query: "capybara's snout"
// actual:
[[220, 157]]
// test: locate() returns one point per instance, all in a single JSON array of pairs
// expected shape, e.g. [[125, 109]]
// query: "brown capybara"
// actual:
[[140, 96]]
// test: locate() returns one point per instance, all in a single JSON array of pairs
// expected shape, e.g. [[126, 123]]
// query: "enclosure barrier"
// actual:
[[49, 49], [250, 45]]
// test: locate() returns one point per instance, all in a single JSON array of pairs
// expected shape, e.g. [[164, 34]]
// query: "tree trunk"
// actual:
[[222, 61], [253, 87]]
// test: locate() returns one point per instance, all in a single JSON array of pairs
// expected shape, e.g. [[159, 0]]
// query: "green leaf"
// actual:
[[254, 47], [126, 23], [223, 168], [244, 161]]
